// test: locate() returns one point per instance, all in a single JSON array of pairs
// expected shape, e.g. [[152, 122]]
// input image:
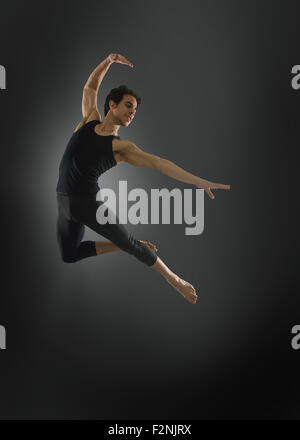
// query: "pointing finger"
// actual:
[[220, 186], [223, 186]]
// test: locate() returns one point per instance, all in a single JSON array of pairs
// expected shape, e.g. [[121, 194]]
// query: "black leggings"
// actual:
[[76, 211]]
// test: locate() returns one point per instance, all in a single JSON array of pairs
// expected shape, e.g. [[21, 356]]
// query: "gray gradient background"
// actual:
[[108, 338]]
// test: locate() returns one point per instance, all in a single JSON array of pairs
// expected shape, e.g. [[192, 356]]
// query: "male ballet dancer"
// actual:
[[94, 148]]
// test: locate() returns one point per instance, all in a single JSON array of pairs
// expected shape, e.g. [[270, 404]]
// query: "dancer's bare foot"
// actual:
[[185, 288]]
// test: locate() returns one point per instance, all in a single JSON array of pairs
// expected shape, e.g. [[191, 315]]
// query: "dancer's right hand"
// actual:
[[208, 186], [117, 58]]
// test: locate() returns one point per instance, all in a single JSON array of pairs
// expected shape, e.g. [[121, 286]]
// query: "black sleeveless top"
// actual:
[[87, 156]]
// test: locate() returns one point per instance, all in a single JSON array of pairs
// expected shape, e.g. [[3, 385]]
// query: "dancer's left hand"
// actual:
[[117, 58]]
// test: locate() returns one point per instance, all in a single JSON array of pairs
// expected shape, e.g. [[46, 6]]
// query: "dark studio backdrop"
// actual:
[[108, 338]]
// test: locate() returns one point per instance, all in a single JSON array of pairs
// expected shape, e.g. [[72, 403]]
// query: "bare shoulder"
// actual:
[[93, 116]]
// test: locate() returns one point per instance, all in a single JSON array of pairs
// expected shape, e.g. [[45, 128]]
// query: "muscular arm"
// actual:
[[89, 105], [98, 74], [135, 156], [90, 90]]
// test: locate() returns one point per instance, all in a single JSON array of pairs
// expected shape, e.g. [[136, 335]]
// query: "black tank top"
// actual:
[[87, 156]]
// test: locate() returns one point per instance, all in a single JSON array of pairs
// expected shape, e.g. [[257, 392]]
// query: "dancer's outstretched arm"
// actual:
[[135, 156]]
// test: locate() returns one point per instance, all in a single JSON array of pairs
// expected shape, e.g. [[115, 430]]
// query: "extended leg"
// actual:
[[84, 212]]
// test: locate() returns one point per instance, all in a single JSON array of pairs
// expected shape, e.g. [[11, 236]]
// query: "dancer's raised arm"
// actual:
[[90, 90], [135, 156]]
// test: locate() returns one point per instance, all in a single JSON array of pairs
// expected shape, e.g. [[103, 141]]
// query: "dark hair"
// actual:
[[117, 95]]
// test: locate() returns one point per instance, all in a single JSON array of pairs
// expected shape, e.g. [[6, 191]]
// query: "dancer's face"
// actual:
[[124, 112]]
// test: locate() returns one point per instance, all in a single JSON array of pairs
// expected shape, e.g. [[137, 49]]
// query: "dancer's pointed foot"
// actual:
[[185, 288]]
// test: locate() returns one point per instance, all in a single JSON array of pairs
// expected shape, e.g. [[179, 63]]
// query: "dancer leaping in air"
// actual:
[[94, 148]]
